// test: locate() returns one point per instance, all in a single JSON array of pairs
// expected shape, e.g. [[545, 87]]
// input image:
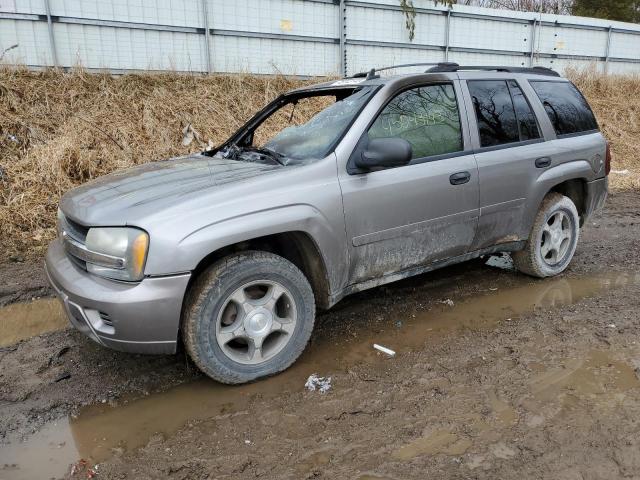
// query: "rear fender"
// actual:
[[579, 169]]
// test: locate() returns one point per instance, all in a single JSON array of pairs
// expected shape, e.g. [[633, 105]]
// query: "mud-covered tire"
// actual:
[[535, 259], [212, 291]]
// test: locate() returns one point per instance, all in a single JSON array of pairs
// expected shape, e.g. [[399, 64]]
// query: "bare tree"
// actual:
[[560, 7]]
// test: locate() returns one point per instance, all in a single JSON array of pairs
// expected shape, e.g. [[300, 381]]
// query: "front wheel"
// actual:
[[553, 239], [248, 316]]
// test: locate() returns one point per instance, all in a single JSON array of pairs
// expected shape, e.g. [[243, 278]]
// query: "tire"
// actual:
[[538, 258], [249, 315]]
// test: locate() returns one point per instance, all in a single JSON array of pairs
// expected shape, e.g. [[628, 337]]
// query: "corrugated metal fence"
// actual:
[[301, 37]]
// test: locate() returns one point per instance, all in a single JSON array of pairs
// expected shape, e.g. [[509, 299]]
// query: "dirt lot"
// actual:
[[496, 376]]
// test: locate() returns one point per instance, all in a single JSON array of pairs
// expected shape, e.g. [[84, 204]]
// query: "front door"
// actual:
[[426, 211]]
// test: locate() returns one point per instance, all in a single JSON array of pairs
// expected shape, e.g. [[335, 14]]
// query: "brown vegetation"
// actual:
[[58, 130]]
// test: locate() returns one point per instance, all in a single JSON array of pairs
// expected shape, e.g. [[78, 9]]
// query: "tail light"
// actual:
[[607, 160]]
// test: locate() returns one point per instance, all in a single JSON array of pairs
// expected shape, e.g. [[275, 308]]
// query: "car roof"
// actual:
[[436, 72]]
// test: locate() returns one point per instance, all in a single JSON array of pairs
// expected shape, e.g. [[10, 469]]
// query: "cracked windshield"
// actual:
[[312, 125]]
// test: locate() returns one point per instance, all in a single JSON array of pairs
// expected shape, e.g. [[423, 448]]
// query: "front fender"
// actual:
[[291, 218]]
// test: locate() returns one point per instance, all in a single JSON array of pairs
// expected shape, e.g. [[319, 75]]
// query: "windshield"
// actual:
[[304, 129]]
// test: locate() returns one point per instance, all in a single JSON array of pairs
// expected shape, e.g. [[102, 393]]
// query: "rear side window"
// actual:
[[497, 123], [504, 116], [427, 117], [567, 109]]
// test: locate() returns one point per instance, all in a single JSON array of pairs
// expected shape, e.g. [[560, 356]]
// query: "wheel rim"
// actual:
[[557, 236], [256, 322]]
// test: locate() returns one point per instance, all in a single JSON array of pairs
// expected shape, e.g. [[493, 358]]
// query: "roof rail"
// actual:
[[442, 67], [454, 67], [371, 74]]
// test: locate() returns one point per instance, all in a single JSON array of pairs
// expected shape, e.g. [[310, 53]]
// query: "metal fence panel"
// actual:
[[365, 23], [186, 13], [624, 45], [267, 56], [102, 47], [302, 37], [35, 7], [30, 38], [490, 34], [573, 41], [361, 58], [289, 17]]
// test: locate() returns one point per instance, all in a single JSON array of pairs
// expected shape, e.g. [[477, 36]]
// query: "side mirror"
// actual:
[[385, 153]]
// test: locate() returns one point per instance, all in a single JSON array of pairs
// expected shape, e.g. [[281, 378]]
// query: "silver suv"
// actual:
[[371, 179]]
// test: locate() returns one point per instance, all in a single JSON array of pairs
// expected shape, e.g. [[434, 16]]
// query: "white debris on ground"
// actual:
[[321, 384], [382, 349], [448, 302], [612, 325], [620, 172]]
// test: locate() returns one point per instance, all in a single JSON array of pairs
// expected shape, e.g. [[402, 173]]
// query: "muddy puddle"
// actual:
[[20, 321], [101, 431]]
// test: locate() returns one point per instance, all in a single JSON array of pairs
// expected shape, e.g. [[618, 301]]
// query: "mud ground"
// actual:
[[551, 393]]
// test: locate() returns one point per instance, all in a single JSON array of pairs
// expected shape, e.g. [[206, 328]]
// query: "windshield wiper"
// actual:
[[234, 152], [268, 152]]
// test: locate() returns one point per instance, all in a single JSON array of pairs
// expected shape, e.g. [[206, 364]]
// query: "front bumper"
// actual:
[[139, 317]]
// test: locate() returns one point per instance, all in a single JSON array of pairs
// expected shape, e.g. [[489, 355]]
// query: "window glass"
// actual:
[[427, 117], [526, 119], [568, 110], [496, 116]]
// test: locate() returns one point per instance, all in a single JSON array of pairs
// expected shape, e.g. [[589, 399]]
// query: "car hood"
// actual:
[[119, 197]]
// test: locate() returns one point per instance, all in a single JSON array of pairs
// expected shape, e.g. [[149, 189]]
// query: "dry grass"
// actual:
[[58, 130], [615, 100]]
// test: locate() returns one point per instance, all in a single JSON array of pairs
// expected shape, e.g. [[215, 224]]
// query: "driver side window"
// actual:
[[427, 117]]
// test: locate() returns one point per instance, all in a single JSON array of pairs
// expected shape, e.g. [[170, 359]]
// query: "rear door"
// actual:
[[402, 217], [510, 152]]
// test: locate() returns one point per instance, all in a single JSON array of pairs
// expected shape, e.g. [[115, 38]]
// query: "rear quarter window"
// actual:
[[566, 107]]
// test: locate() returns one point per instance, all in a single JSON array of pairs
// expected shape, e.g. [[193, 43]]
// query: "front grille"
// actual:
[[75, 230], [79, 263], [78, 233]]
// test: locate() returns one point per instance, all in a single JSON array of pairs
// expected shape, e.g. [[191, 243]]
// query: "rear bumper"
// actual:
[[596, 196], [140, 317]]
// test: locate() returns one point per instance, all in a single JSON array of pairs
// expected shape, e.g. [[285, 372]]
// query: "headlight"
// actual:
[[125, 249]]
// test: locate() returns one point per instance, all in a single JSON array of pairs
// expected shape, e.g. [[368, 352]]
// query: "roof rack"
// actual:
[[371, 74], [454, 67], [442, 67]]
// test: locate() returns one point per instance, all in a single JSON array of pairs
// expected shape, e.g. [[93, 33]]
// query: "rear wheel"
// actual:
[[553, 239], [248, 316]]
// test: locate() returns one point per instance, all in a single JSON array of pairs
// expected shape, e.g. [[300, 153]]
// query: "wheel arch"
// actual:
[[576, 190], [298, 247], [569, 179]]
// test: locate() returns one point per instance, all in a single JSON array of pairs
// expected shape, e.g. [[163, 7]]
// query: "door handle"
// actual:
[[459, 178], [543, 162]]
